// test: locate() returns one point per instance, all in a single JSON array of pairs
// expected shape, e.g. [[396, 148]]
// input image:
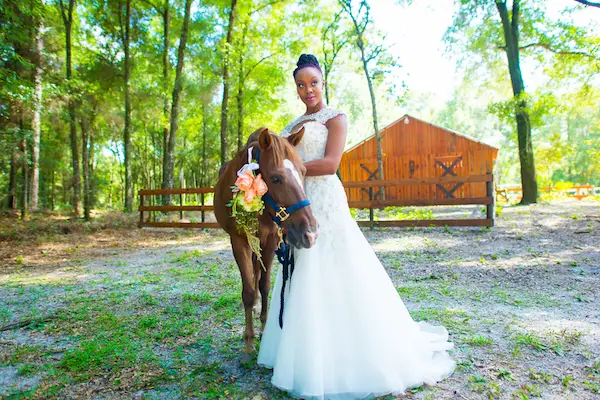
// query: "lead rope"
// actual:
[[285, 255]]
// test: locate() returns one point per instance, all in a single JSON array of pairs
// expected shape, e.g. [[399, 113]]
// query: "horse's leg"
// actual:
[[264, 284], [243, 257], [257, 275]]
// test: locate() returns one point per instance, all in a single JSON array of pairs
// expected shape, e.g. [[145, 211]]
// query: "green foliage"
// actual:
[[562, 47]]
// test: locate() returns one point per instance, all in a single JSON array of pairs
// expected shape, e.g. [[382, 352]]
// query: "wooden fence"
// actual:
[[486, 180], [147, 222], [488, 200], [514, 193]]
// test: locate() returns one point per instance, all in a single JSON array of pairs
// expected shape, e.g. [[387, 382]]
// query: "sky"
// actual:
[[416, 32]]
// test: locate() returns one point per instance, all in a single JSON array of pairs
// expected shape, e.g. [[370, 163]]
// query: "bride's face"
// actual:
[[309, 84]]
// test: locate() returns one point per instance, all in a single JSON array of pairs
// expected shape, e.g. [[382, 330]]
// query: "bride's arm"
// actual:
[[336, 140]]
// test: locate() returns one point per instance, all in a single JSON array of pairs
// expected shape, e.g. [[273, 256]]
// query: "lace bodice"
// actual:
[[312, 146]]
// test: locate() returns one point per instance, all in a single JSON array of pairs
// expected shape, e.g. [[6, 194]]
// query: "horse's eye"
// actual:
[[276, 179]]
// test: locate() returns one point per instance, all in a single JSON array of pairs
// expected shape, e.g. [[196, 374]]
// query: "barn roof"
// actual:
[[425, 122]]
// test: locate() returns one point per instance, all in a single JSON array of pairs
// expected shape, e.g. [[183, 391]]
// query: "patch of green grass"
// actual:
[[526, 391], [227, 300], [453, 320], [566, 381], [592, 386], [27, 369], [531, 340], [539, 376], [147, 299], [185, 257], [505, 374], [104, 353], [465, 365], [150, 278], [148, 322], [5, 315], [209, 381], [478, 340], [593, 370], [197, 298], [479, 383], [414, 292]]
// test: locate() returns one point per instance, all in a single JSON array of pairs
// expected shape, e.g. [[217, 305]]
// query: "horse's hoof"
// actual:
[[246, 358]]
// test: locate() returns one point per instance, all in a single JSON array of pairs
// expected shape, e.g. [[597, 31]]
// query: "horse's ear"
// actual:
[[295, 138], [264, 139]]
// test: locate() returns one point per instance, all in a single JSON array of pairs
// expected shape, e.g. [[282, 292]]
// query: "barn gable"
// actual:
[[413, 148]]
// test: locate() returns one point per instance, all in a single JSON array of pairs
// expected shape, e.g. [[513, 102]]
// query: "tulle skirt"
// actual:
[[346, 332]]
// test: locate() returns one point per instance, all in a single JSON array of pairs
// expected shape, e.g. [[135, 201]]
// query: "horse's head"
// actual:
[[283, 171]]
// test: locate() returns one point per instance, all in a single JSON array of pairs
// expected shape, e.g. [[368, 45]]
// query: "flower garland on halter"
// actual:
[[247, 202]]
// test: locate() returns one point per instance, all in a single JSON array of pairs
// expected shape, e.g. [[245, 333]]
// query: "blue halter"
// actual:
[[281, 213]]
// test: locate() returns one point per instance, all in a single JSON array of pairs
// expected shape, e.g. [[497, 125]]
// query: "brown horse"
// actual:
[[283, 171]]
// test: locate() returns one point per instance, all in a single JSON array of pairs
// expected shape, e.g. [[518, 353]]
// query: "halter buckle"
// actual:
[[282, 214]]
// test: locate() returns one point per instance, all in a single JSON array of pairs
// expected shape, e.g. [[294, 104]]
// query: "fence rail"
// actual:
[[488, 200], [372, 204], [181, 208]]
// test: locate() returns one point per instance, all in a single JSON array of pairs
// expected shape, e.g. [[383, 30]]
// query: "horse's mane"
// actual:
[[281, 149]]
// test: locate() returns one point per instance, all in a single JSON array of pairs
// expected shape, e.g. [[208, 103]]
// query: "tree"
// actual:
[[126, 40], [332, 43], [360, 20], [485, 31], [510, 27], [225, 100], [67, 17], [169, 167], [36, 123]]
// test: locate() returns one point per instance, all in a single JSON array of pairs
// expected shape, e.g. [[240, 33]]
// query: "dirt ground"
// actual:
[[108, 311]]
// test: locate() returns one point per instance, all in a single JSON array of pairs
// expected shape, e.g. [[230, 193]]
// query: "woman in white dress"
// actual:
[[346, 333]]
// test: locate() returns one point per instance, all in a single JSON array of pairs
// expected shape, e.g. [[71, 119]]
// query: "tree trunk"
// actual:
[[166, 67], [224, 103], [67, 16], [240, 97], [127, 133], [511, 36], [169, 168], [374, 108], [36, 123], [203, 180], [326, 78], [85, 161], [346, 4], [92, 197], [24, 168], [12, 187]]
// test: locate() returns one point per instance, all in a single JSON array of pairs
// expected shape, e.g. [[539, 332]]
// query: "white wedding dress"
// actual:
[[346, 332]]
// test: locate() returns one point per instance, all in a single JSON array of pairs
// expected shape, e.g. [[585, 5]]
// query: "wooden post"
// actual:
[[141, 212], [202, 203], [181, 204], [490, 207], [371, 214]]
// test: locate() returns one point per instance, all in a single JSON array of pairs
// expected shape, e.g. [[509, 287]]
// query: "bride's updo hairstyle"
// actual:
[[307, 60]]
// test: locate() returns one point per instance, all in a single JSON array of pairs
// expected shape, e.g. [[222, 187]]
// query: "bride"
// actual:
[[346, 333]]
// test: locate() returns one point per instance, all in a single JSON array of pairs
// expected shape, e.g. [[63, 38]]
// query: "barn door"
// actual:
[[449, 166]]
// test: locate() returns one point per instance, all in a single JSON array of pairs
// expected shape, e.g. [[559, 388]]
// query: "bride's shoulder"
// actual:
[[328, 114]]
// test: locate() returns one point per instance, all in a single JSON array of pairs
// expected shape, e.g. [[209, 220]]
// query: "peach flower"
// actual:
[[259, 185], [245, 180], [249, 195]]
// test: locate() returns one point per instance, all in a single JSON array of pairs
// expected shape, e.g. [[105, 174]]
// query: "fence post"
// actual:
[[202, 204], [141, 211], [490, 214], [180, 205]]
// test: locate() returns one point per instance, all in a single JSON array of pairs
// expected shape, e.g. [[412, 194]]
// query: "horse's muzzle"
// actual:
[[303, 238]]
